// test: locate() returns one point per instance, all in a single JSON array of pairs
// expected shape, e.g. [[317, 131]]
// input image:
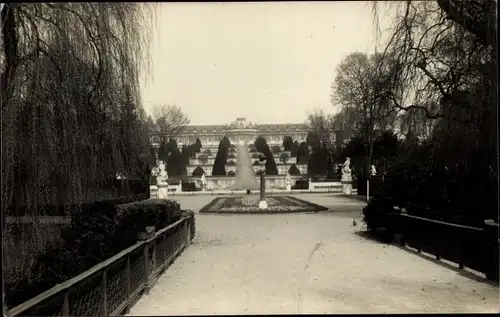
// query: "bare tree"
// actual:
[[322, 125], [445, 52], [361, 85], [169, 120]]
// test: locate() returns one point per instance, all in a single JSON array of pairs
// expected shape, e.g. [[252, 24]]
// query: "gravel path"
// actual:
[[305, 263]]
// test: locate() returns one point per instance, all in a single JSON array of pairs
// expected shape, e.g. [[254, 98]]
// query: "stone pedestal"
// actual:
[[289, 187], [262, 204], [153, 191], [163, 191], [347, 187]]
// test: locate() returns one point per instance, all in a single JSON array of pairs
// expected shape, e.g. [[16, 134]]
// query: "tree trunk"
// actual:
[[369, 162]]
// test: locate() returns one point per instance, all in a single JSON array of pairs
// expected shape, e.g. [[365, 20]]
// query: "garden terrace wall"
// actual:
[[110, 287]]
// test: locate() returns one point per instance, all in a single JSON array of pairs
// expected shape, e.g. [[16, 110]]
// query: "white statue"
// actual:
[[161, 182], [288, 182], [203, 182], [373, 171], [346, 177]]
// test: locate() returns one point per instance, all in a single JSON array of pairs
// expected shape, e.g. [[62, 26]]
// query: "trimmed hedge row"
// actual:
[[98, 231], [72, 209]]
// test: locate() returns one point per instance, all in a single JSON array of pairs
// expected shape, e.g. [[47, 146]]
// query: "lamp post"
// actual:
[[262, 202]]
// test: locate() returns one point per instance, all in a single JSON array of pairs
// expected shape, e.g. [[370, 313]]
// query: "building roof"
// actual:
[[261, 128]]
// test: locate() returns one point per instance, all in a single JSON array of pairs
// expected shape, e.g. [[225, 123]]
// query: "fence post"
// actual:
[[104, 296], [492, 242], [164, 249], [146, 267], [128, 277], [65, 304]]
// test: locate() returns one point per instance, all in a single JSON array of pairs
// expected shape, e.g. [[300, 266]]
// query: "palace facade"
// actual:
[[236, 131]]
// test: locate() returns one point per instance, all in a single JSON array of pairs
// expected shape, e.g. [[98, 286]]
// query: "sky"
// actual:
[[270, 62]]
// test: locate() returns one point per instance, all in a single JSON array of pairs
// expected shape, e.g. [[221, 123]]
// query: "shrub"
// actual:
[[275, 150], [231, 155], [231, 163], [256, 163], [219, 168], [99, 231], [295, 149], [287, 143], [231, 173], [198, 171], [203, 159], [376, 213], [294, 170], [301, 184], [133, 218], [252, 148], [190, 187], [284, 157], [263, 148], [207, 152], [255, 155]]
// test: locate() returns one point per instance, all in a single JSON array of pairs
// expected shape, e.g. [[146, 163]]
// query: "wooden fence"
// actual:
[[111, 287], [468, 246]]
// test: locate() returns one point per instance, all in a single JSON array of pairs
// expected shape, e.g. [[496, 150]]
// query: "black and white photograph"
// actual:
[[249, 158]]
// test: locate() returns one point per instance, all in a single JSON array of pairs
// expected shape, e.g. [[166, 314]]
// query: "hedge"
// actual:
[[99, 231]]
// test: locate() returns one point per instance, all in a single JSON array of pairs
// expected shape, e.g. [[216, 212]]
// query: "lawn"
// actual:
[[250, 205]]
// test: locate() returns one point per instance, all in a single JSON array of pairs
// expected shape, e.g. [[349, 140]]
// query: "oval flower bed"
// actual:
[[250, 205]]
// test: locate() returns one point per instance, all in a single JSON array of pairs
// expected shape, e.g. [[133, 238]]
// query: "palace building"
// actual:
[[237, 131]]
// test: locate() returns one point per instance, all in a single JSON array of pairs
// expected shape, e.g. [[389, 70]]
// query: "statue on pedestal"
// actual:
[[288, 182], [373, 171], [161, 182], [203, 182], [346, 177]]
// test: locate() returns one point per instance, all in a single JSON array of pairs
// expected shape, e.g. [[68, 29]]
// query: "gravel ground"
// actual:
[[306, 263]]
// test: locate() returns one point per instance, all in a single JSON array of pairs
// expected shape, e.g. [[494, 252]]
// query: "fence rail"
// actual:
[[110, 287], [472, 247]]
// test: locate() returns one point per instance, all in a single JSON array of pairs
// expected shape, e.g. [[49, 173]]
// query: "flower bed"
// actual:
[[250, 205]]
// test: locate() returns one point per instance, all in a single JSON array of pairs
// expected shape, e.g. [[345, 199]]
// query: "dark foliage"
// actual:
[[198, 171], [262, 147], [293, 170], [301, 184], [252, 148], [303, 154], [175, 164], [207, 152], [231, 163], [190, 187], [288, 143], [219, 168], [275, 150], [318, 161], [231, 173], [99, 231], [295, 149], [198, 145]]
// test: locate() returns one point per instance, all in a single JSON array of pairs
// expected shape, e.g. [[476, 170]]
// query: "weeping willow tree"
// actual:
[[71, 108], [70, 99]]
